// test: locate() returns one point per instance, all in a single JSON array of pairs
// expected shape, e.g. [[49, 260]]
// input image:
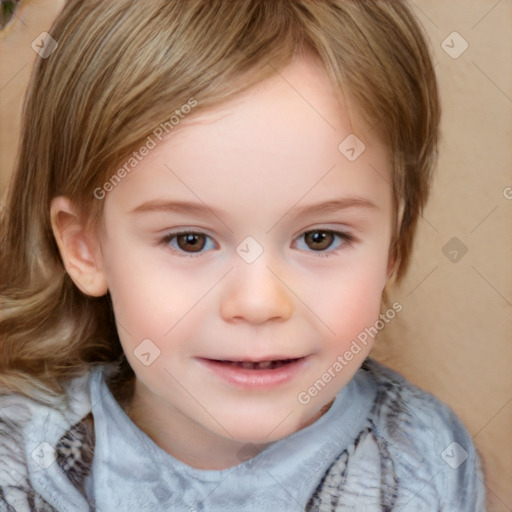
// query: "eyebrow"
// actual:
[[332, 206], [164, 205], [201, 209]]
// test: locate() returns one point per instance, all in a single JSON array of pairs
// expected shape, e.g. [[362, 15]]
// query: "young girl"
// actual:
[[209, 200]]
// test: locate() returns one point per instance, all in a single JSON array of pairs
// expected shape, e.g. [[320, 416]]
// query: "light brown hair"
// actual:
[[120, 69]]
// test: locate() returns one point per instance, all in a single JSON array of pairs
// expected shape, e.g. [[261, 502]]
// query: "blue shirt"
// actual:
[[383, 446], [411, 458]]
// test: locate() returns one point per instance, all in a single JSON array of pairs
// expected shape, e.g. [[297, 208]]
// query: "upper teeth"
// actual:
[[250, 365]]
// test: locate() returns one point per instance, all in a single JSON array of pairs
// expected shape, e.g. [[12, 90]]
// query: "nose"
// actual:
[[255, 294]]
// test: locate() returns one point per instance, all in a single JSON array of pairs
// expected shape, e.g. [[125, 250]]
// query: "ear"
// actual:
[[79, 248]]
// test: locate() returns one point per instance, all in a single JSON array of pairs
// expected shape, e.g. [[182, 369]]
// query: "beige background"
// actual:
[[453, 337]]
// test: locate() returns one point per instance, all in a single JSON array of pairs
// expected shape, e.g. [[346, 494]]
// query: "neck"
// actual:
[[185, 439], [188, 441]]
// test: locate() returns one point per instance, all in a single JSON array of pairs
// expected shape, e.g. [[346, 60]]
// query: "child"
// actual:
[[209, 201]]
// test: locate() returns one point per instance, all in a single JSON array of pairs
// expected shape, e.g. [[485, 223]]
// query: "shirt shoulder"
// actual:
[[414, 454], [434, 452], [60, 419]]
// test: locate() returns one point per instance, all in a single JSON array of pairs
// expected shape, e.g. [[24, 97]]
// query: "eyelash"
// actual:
[[346, 240], [166, 240]]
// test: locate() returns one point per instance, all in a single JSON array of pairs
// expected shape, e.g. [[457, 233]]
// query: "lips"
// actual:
[[256, 374], [270, 364]]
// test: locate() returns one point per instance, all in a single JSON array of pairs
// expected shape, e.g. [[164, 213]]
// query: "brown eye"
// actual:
[[191, 242], [319, 240]]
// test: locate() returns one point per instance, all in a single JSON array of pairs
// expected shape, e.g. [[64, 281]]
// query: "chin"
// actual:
[[260, 428]]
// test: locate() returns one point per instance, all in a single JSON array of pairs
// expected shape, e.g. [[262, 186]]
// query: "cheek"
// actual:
[[137, 303], [352, 302], [149, 297]]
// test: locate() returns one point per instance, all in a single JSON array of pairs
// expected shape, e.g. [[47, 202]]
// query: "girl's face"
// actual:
[[249, 235]]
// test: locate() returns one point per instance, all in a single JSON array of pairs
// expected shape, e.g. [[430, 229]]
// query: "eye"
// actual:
[[322, 240], [189, 242]]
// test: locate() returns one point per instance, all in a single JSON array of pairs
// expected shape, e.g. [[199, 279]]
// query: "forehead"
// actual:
[[276, 142], [294, 113]]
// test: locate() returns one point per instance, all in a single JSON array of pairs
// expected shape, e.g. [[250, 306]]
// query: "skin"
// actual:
[[255, 162]]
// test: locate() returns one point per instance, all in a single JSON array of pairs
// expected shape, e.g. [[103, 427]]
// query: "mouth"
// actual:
[[269, 364], [262, 374]]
